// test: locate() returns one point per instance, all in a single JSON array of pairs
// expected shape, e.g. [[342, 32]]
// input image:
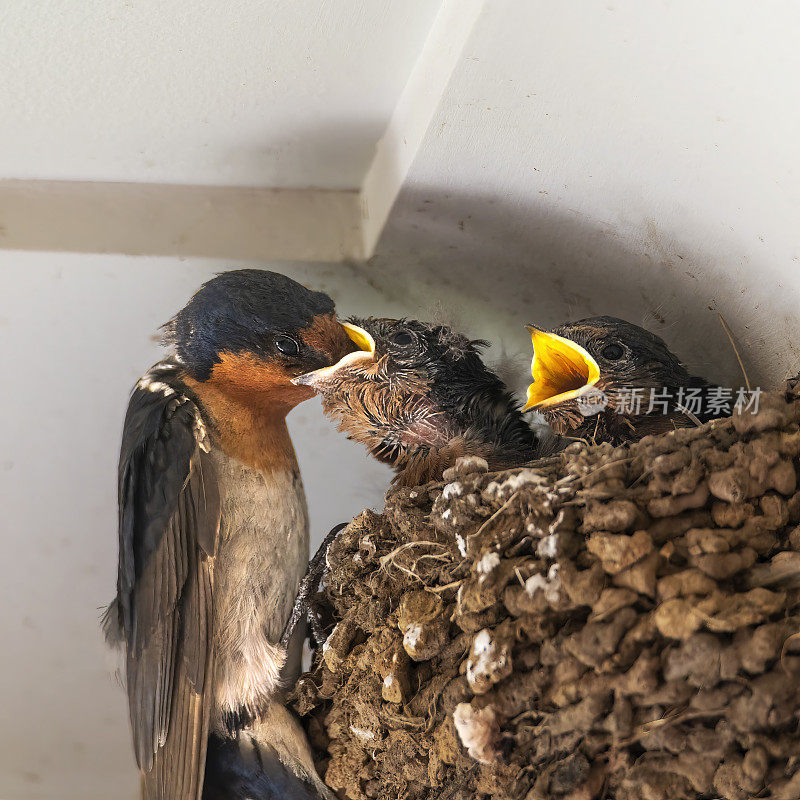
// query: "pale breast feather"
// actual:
[[262, 557]]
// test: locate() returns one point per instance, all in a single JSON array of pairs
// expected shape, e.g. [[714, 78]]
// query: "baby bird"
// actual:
[[608, 380], [419, 396]]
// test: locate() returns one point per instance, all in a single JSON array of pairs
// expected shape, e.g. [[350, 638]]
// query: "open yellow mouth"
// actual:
[[366, 352], [360, 337], [561, 370]]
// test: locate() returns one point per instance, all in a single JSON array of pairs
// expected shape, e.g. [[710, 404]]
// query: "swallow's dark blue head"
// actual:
[[264, 316]]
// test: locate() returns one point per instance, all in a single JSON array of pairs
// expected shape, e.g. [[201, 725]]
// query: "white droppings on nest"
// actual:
[[489, 662], [412, 636], [462, 545], [327, 643], [550, 585], [482, 641], [362, 733], [513, 484], [413, 495], [478, 730], [548, 547], [487, 563], [454, 489], [446, 514]]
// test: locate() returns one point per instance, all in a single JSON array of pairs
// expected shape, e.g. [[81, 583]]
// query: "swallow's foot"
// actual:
[[304, 605], [316, 620]]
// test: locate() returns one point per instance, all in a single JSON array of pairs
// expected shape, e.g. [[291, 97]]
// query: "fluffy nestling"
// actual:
[[612, 356], [419, 396]]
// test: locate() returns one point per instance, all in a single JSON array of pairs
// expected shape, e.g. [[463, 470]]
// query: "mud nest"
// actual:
[[608, 623]]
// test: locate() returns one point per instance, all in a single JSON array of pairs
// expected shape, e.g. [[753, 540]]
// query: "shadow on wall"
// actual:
[[496, 265]]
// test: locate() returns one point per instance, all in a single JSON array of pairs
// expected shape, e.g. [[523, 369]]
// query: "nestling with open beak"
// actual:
[[594, 379], [419, 396], [213, 542]]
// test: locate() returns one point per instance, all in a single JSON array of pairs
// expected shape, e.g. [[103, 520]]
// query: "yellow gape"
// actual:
[[360, 337], [320, 377], [561, 369]]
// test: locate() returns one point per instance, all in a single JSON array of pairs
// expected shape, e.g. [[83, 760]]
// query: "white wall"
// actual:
[[616, 157]]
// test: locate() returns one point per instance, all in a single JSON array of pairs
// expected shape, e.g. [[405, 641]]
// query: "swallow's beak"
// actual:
[[561, 370], [320, 379]]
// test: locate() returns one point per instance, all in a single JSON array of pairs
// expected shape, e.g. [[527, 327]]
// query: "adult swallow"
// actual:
[[213, 541], [419, 396], [609, 380]]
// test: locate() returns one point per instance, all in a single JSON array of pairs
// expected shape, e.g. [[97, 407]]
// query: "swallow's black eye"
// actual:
[[287, 345], [612, 352], [402, 338]]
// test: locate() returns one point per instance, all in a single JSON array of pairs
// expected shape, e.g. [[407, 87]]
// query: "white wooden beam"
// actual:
[[160, 219], [413, 114]]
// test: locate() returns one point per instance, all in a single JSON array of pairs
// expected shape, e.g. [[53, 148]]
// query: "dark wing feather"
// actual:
[[241, 769], [169, 514]]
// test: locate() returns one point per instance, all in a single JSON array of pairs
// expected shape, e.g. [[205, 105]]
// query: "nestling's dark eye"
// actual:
[[287, 345], [402, 338], [612, 352]]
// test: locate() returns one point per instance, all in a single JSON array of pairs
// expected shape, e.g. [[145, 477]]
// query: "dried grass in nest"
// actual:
[[609, 623]]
